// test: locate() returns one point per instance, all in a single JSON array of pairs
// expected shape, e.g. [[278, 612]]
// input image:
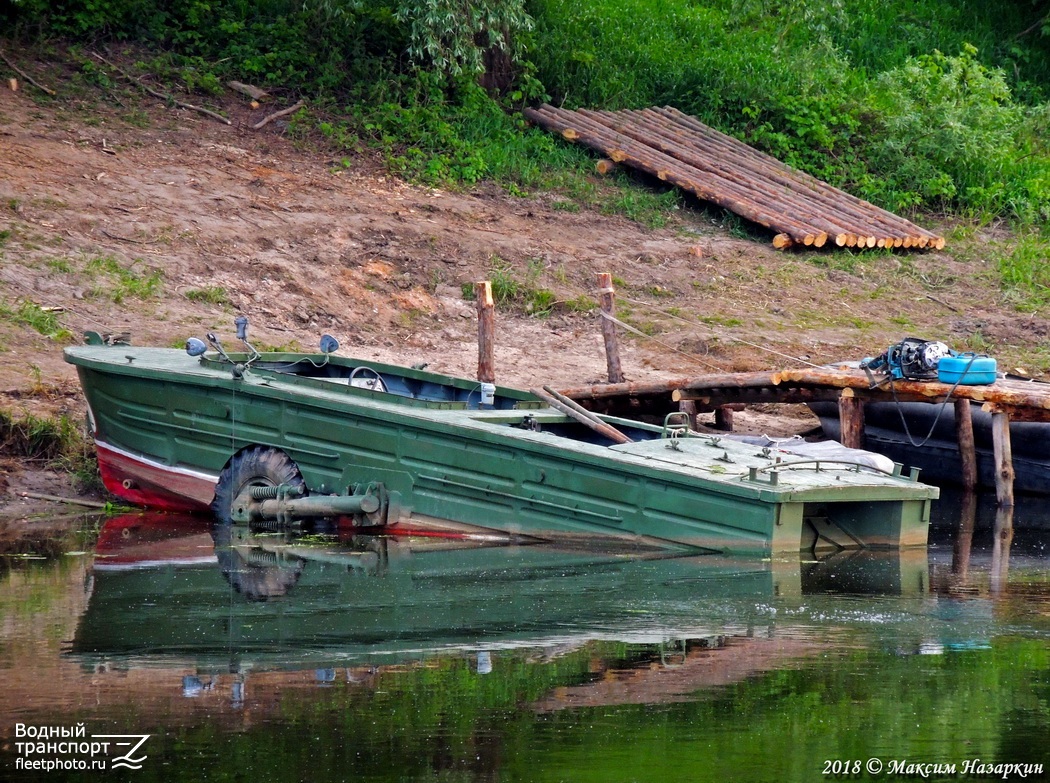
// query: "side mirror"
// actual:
[[329, 344], [195, 347]]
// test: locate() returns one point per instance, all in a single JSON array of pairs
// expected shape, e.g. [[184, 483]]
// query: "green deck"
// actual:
[[475, 467]]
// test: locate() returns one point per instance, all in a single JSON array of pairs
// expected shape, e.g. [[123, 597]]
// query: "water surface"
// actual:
[[325, 657]]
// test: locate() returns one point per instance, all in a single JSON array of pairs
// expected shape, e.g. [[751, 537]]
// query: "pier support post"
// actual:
[[724, 418], [851, 420], [612, 347], [688, 407], [1004, 462], [486, 332], [967, 449]]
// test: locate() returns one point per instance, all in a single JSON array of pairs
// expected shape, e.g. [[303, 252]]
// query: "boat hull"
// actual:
[[166, 425], [149, 483]]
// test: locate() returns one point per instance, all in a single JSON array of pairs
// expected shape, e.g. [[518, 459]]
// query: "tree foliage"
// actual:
[[450, 35], [825, 85]]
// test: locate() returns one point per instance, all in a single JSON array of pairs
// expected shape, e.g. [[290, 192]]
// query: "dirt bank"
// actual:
[[166, 224]]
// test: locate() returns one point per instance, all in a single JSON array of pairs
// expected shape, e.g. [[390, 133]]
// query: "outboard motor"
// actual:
[[911, 359]]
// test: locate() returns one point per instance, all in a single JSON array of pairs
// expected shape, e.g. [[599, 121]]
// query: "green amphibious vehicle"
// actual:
[[277, 436]]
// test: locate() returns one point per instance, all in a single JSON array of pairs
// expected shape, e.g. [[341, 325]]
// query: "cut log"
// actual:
[[251, 91]]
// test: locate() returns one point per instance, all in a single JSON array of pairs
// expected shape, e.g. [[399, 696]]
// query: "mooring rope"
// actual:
[[640, 333], [716, 333]]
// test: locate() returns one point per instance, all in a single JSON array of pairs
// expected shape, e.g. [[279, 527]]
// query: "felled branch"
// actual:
[[25, 75], [278, 114], [161, 95]]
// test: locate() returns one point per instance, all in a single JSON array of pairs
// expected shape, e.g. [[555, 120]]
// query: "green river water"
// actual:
[[332, 658]]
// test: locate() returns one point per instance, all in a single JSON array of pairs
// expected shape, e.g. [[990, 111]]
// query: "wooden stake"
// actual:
[[1004, 462], [851, 420], [486, 331], [606, 296], [967, 449]]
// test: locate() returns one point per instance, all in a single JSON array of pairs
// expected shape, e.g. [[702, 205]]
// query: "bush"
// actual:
[[949, 133]]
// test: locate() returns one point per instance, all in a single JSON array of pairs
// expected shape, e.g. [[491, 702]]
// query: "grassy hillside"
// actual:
[[918, 105]]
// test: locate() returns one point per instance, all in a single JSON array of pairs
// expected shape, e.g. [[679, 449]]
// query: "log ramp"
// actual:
[[677, 148], [1006, 400]]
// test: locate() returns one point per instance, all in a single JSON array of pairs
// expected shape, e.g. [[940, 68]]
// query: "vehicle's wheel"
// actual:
[[255, 466]]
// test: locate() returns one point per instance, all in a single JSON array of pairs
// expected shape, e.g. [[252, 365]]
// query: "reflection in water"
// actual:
[[298, 599], [251, 654], [1002, 540], [1003, 536]]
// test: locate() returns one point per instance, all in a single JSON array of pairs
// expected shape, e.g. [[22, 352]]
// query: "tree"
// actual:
[[452, 36]]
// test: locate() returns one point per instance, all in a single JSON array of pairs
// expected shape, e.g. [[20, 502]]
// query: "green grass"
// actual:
[[29, 313], [118, 282], [57, 442], [215, 295], [38, 438], [830, 87], [1024, 274], [519, 289]]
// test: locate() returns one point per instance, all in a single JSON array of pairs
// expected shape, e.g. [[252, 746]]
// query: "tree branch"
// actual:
[[290, 110], [157, 94], [25, 75]]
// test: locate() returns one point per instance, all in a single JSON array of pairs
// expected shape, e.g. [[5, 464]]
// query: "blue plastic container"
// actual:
[[967, 370]]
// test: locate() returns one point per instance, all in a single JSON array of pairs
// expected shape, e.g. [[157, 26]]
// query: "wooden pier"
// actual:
[[1006, 400]]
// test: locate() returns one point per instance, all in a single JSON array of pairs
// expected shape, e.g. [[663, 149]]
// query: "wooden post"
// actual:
[[1004, 461], [612, 346], [486, 331], [967, 450], [724, 418], [851, 420], [688, 407]]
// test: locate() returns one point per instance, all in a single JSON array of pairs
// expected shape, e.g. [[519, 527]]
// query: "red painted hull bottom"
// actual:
[[151, 484], [154, 485]]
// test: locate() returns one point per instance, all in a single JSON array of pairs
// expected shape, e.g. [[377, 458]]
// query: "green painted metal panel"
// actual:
[[479, 467]]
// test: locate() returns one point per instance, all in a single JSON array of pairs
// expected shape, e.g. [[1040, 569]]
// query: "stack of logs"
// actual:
[[715, 167]]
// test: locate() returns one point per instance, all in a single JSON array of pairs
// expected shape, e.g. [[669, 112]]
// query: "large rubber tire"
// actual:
[[255, 466]]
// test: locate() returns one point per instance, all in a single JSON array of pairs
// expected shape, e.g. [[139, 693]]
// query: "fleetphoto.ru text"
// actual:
[[60, 748]]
